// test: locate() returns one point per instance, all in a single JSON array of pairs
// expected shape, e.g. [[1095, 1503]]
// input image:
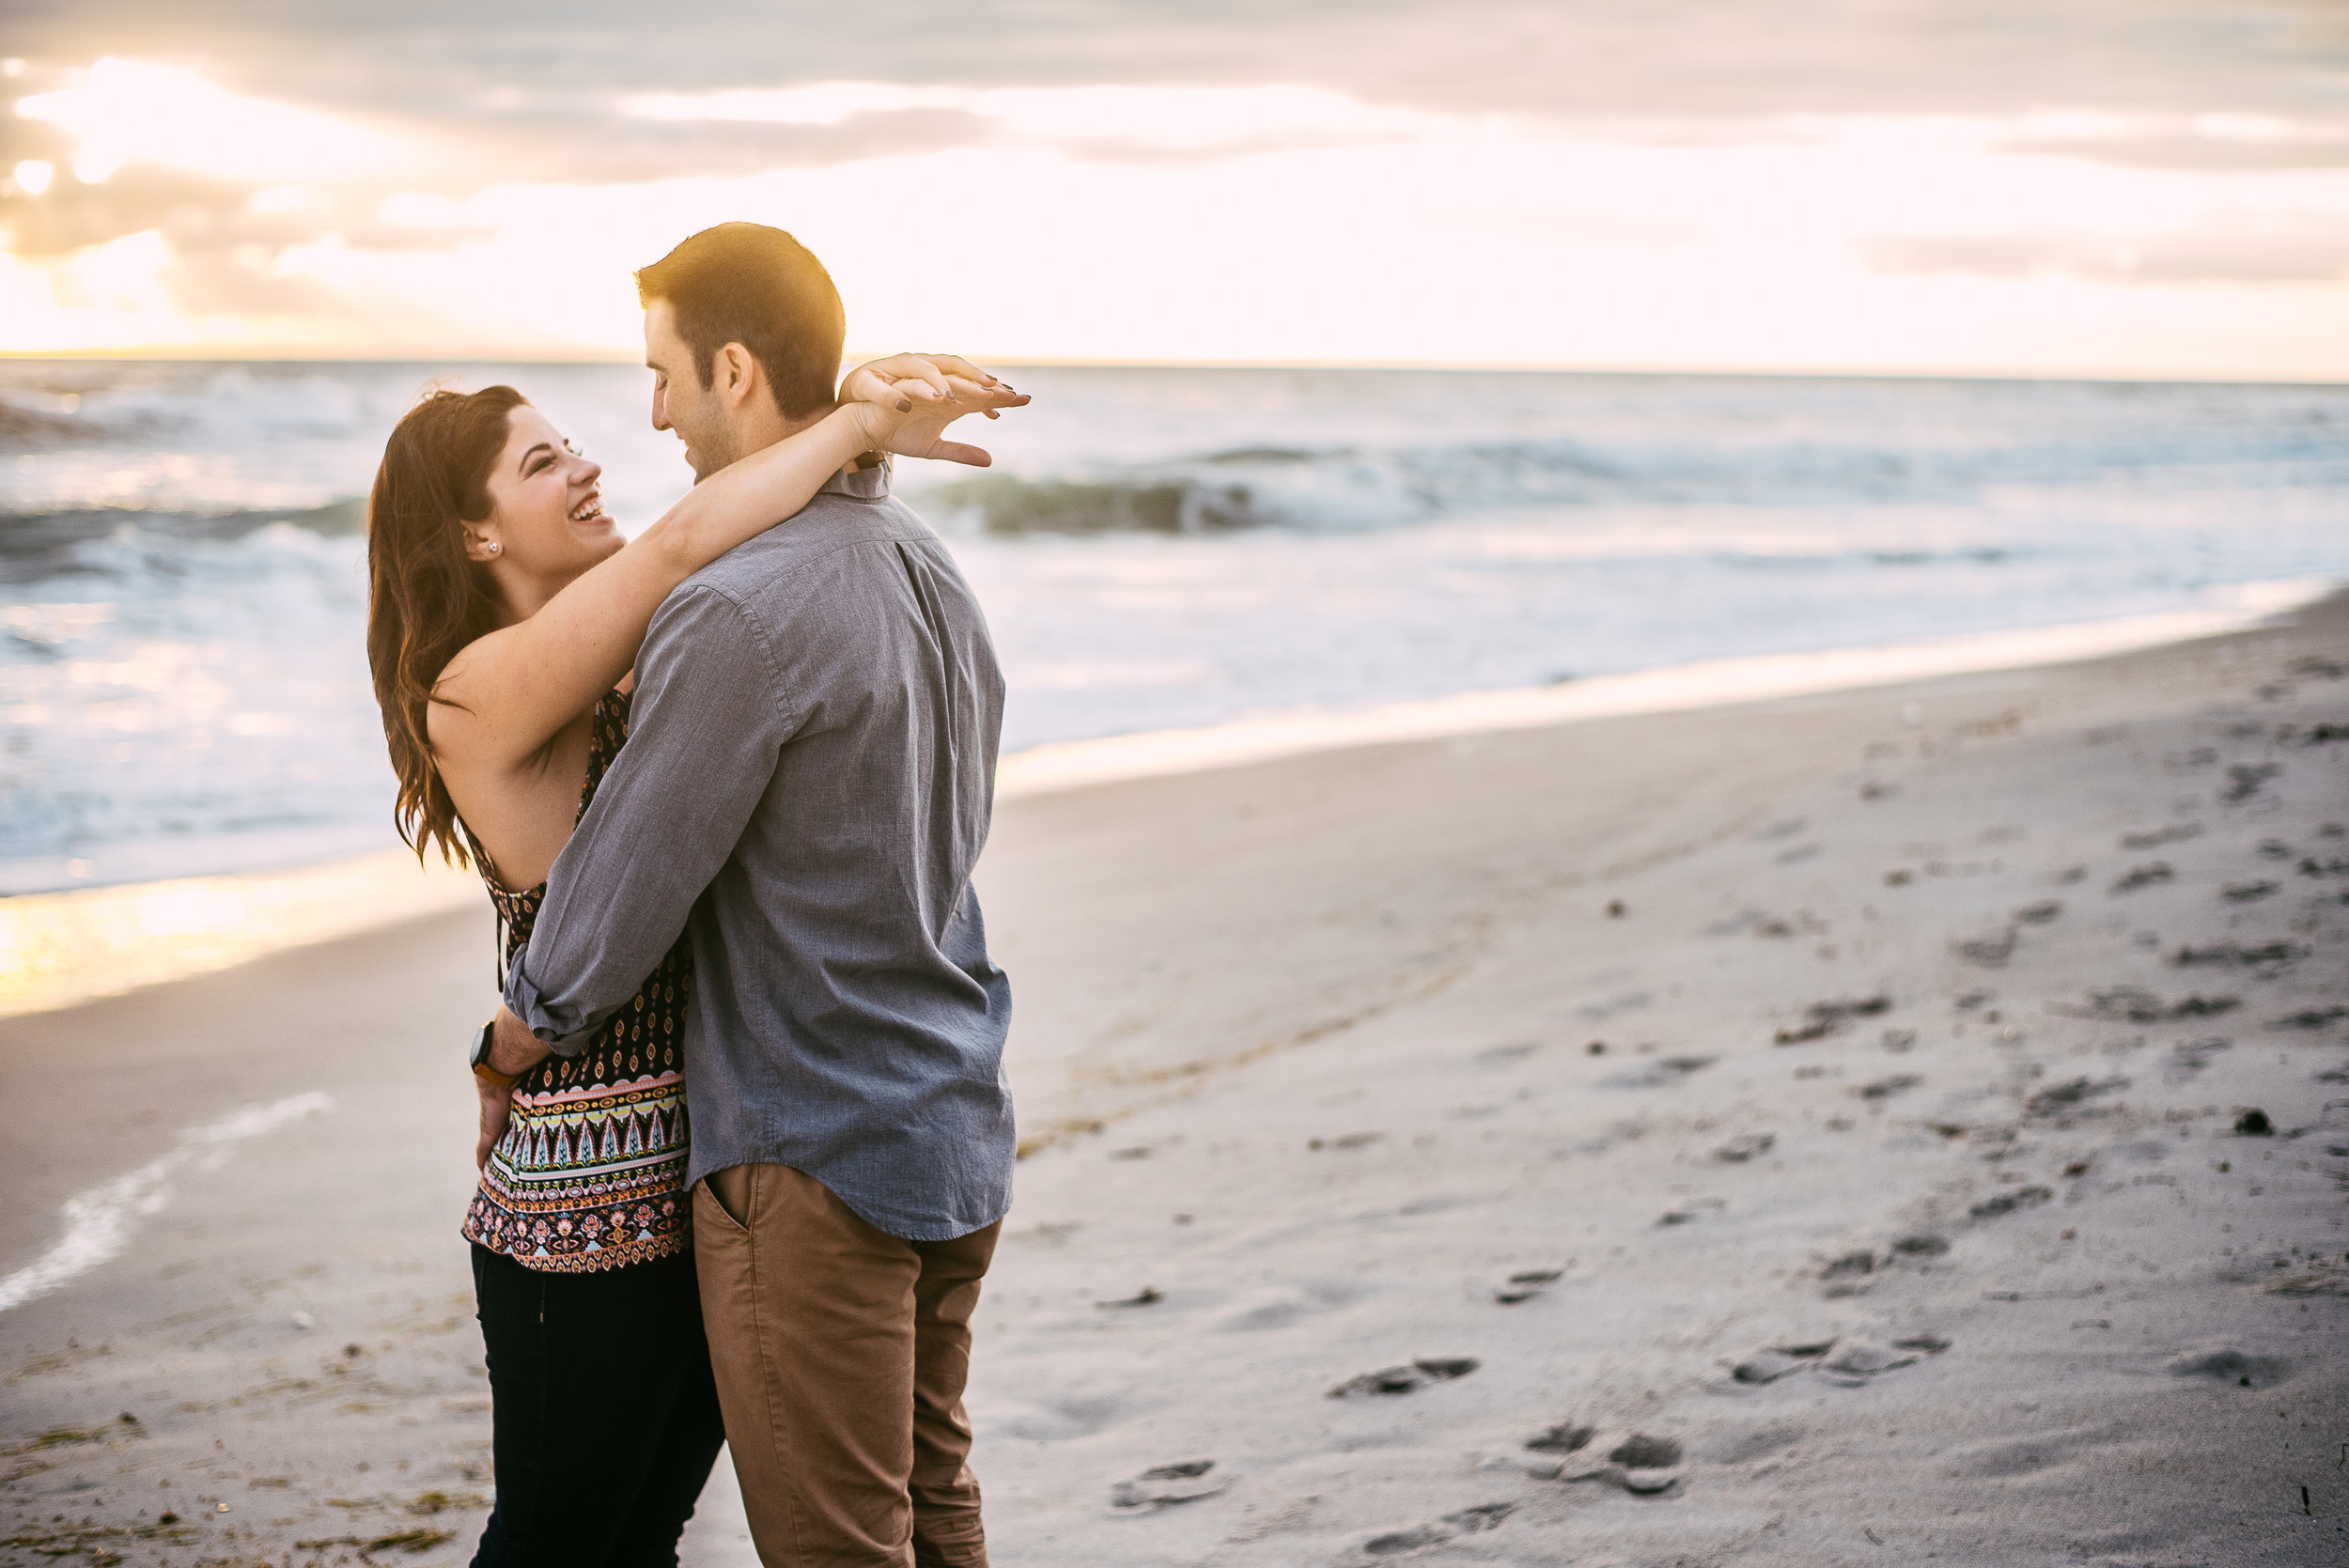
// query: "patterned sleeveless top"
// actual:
[[590, 1174]]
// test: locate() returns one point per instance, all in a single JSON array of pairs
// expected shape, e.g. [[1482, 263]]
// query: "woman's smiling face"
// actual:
[[546, 503]]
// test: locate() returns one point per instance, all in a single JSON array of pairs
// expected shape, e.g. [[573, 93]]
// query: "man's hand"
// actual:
[[497, 1108], [513, 1049], [904, 404], [513, 1052]]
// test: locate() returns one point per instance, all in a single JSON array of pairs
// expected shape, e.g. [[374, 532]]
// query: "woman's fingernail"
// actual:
[[905, 405]]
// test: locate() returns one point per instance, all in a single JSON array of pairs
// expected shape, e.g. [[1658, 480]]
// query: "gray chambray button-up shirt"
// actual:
[[807, 782]]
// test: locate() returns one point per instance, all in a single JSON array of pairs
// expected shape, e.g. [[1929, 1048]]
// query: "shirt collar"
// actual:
[[864, 484]]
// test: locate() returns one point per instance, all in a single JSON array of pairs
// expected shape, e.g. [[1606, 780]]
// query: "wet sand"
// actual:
[[1838, 1105]]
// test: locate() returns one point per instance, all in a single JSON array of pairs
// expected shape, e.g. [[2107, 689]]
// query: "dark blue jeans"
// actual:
[[604, 1416]]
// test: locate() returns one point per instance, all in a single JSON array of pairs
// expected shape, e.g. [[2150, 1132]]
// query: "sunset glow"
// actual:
[[124, 109], [1281, 221]]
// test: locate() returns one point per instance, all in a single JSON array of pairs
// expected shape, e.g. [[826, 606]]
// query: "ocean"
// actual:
[[183, 689]]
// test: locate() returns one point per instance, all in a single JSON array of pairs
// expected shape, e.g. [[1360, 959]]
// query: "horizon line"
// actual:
[[542, 356]]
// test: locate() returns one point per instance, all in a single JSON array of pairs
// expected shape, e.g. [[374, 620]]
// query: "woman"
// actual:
[[504, 611]]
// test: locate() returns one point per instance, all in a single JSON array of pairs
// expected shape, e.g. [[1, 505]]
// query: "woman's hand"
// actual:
[[905, 402], [497, 1108]]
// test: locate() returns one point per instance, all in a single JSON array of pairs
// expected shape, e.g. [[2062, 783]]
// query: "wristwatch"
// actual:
[[478, 1059]]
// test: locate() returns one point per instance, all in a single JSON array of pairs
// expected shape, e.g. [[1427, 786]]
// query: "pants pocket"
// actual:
[[724, 1197]]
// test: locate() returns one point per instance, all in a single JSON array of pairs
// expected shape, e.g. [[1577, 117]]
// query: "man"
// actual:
[[806, 786]]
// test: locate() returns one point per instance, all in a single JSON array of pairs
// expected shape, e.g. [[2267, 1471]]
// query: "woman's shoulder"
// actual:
[[459, 692]]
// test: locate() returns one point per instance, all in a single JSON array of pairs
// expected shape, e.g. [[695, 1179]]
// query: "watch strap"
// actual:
[[478, 1058]]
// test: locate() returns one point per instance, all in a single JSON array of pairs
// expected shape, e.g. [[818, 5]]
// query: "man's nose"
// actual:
[[660, 411]]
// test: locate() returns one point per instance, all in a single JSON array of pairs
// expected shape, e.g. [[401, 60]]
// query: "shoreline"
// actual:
[[58, 948], [1672, 688]]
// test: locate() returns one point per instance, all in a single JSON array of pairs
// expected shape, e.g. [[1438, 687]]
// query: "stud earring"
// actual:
[[495, 547]]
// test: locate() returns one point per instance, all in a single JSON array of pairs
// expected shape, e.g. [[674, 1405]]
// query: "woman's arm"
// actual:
[[505, 696]]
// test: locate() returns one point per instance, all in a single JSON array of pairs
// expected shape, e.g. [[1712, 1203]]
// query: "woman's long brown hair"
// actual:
[[425, 600]]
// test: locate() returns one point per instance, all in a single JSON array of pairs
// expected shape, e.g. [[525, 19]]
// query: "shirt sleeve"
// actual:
[[704, 736]]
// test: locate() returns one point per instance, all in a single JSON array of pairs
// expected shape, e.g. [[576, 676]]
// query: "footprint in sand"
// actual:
[[1146, 1296], [2176, 832], [1843, 1276], [1526, 1285], [1565, 1437], [2230, 1366], [1921, 1246], [1746, 1146], [1991, 952], [1641, 1463], [1769, 1366], [1469, 1521], [2007, 1203], [2266, 961], [1404, 1379], [1658, 1074], [2057, 1098], [2244, 779], [1855, 1365], [1168, 1485], [1641, 1451], [1822, 1018], [2129, 1005]]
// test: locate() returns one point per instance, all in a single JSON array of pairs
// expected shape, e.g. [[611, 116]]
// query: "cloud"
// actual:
[[1198, 177], [119, 110], [2223, 248], [2205, 154], [2216, 143], [201, 215], [606, 92], [1576, 59]]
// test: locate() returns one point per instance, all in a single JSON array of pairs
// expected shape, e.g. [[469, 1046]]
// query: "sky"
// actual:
[[2031, 187]]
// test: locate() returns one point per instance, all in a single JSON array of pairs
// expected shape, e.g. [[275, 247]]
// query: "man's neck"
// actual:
[[768, 426]]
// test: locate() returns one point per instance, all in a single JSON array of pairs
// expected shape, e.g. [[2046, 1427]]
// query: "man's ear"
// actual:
[[734, 375]]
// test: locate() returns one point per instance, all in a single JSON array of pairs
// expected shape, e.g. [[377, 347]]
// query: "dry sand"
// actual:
[[1929, 1022]]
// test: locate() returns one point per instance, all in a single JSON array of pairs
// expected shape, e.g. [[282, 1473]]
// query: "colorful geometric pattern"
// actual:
[[590, 1174]]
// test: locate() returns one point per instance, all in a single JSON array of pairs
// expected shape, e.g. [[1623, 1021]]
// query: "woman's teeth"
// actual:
[[588, 510]]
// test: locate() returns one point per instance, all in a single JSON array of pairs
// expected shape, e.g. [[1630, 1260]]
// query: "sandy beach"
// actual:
[[1905, 1123]]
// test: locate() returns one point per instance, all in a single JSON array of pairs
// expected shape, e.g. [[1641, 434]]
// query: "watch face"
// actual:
[[482, 1037]]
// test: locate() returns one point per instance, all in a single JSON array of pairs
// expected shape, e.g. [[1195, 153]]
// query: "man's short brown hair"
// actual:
[[756, 286]]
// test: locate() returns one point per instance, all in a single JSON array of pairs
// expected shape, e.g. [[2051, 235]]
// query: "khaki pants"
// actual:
[[841, 1353]]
